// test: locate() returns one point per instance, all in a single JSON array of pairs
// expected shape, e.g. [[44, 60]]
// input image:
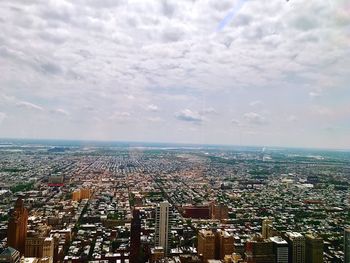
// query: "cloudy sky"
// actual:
[[248, 72]]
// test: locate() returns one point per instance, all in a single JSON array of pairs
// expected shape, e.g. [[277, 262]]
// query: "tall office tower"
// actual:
[[347, 245], [135, 241], [266, 228], [162, 226], [296, 244], [85, 193], [48, 249], [280, 249], [206, 245], [218, 211], [260, 251], [313, 249], [17, 226], [225, 243], [34, 246], [9, 255]]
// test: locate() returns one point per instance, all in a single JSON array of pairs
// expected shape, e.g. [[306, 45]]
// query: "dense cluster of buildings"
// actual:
[[172, 205]]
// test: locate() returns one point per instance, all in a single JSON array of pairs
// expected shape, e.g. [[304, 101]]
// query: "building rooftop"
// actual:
[[294, 234], [278, 240], [205, 232]]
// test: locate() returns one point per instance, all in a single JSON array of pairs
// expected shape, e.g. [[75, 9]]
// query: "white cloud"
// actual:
[[152, 107], [256, 103], [2, 116], [29, 105], [189, 116], [120, 116], [314, 94], [255, 118], [209, 110], [322, 110], [154, 119], [104, 59], [292, 118], [62, 111], [236, 122]]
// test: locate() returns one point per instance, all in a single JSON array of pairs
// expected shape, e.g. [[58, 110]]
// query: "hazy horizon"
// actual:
[[240, 72], [111, 143]]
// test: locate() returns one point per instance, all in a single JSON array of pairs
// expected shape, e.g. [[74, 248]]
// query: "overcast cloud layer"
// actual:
[[199, 71]]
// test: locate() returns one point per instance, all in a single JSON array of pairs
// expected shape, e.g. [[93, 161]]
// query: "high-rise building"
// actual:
[[296, 244], [266, 228], [218, 211], [34, 246], [9, 255], [135, 237], [280, 249], [162, 226], [48, 248], [225, 243], [347, 245], [83, 193], [76, 195], [260, 251], [206, 245], [313, 249], [17, 226]]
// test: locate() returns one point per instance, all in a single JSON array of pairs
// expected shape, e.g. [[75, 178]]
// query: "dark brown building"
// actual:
[[206, 245], [135, 239], [196, 212], [218, 211], [17, 227]]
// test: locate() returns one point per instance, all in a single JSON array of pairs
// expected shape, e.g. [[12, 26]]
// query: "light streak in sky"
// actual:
[[231, 15]]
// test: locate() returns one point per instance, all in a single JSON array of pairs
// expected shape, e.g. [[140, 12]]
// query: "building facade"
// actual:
[[266, 228], [347, 245], [135, 237], [280, 249], [17, 227], [313, 249], [206, 245], [296, 244], [162, 226], [226, 246]]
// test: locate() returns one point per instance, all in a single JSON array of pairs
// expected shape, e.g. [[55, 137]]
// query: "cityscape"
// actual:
[[134, 202], [174, 131]]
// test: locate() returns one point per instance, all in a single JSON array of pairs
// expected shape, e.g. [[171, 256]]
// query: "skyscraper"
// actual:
[[266, 228], [313, 249], [259, 251], [162, 226], [48, 249], [280, 249], [135, 241], [206, 245], [17, 226], [296, 243], [218, 211], [226, 246], [347, 245]]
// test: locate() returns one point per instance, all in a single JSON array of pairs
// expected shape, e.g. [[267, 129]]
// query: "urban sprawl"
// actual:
[[88, 203]]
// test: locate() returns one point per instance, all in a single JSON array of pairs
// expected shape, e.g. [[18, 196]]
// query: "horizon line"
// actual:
[[177, 143]]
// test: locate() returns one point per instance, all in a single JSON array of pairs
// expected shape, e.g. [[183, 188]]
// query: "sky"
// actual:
[[238, 72]]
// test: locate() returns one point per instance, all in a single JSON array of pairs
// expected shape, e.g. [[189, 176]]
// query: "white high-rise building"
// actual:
[[162, 226], [347, 245]]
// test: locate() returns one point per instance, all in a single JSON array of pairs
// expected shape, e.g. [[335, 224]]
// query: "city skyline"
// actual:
[[228, 72]]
